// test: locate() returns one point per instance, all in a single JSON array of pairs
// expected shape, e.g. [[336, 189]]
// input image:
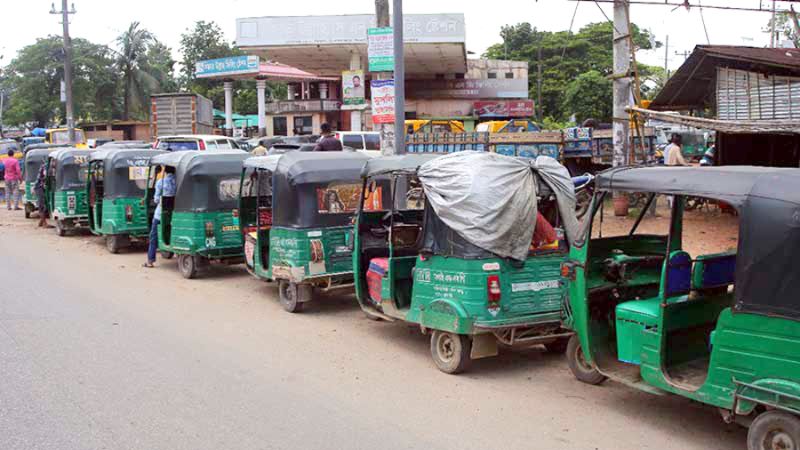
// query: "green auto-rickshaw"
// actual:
[[449, 248], [34, 156], [255, 212], [723, 328], [197, 224], [116, 182], [310, 204], [65, 189]]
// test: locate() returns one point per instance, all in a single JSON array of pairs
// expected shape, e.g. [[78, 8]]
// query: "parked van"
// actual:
[[360, 140], [196, 142]]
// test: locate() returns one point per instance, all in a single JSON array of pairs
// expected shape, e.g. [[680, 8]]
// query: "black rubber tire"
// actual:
[[558, 346], [450, 351], [167, 255], [60, 230], [372, 317], [774, 430], [115, 242], [187, 265], [27, 211], [288, 296], [578, 366]]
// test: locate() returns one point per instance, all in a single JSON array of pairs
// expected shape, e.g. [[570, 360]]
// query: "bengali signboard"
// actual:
[[353, 87], [464, 88], [382, 101], [380, 49], [234, 65], [503, 108]]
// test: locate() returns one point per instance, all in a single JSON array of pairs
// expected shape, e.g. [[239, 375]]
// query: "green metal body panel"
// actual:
[[109, 218], [751, 359], [187, 234], [29, 197], [71, 205], [290, 254]]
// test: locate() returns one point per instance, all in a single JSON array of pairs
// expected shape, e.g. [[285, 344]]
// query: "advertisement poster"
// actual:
[[353, 87], [380, 49], [382, 101], [504, 108]]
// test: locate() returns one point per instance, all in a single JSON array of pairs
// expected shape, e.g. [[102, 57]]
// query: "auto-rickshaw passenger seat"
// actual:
[[713, 271]]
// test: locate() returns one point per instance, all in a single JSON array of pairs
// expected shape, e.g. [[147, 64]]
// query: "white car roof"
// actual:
[[195, 136]]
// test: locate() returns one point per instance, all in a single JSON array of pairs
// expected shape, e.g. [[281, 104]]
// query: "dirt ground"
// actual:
[[707, 230]]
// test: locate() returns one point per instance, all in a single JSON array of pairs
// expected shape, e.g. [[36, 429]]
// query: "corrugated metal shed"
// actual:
[[693, 85]]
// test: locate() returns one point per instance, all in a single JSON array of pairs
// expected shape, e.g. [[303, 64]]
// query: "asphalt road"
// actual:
[[97, 352]]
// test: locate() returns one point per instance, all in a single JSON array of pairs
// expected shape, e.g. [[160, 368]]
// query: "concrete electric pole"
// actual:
[[622, 82], [399, 80], [65, 13]]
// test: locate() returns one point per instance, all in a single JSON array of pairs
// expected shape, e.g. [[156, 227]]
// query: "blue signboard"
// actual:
[[234, 65]]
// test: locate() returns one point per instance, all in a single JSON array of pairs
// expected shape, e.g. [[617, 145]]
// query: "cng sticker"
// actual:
[[317, 233], [71, 202], [422, 275], [488, 267], [535, 286]]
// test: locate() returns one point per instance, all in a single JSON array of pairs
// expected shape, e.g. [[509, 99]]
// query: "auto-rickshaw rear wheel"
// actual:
[[61, 229], [774, 430], [116, 242], [558, 346], [28, 210], [450, 351], [290, 295], [580, 368], [188, 265]]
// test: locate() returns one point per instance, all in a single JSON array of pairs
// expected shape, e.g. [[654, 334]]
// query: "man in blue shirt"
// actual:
[[165, 187]]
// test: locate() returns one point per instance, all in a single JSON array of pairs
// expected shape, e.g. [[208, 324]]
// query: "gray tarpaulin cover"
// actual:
[[490, 199]]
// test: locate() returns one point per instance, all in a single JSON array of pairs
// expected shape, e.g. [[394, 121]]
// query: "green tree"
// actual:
[[33, 80], [589, 96], [564, 56], [131, 61], [784, 28]]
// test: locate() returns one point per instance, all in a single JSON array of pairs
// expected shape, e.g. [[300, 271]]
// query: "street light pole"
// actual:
[[65, 13]]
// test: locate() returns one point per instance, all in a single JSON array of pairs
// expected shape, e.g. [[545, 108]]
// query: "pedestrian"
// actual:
[[13, 176], [259, 150], [328, 142], [41, 179], [165, 187], [674, 156]]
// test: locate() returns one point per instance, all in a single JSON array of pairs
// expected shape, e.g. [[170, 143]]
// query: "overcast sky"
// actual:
[[101, 21]]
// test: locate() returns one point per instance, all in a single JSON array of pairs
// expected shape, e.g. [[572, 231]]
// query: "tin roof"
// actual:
[[692, 85]]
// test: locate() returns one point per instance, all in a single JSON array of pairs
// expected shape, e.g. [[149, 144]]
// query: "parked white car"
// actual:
[[196, 142], [360, 140]]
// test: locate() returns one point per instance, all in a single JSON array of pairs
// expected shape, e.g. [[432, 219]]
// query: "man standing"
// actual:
[[165, 187], [674, 156], [328, 142], [41, 181], [12, 178]]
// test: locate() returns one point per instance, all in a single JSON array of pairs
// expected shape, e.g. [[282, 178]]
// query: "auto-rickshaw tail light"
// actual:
[[129, 213], [235, 213], [493, 288]]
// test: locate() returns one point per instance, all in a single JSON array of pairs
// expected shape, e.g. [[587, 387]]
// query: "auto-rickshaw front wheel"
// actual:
[[773, 430], [61, 229], [28, 211], [291, 295], [580, 368], [450, 351], [116, 242]]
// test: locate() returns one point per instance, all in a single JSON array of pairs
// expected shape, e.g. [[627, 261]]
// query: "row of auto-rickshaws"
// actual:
[[444, 242]]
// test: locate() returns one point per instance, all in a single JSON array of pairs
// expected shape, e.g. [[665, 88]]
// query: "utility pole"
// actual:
[[622, 94], [386, 130], [666, 57], [399, 79], [65, 13], [2, 96], [772, 39]]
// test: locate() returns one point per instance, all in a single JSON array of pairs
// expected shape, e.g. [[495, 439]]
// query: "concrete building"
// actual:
[[440, 80]]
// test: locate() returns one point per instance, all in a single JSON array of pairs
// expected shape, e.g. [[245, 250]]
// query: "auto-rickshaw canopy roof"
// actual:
[[69, 161], [125, 144], [408, 163], [296, 183], [32, 147], [204, 179], [491, 200], [118, 180], [768, 202], [33, 162], [269, 162]]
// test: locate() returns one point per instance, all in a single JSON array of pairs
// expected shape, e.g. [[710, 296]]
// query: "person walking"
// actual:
[[328, 142], [12, 178], [165, 187], [673, 154], [41, 180], [259, 150]]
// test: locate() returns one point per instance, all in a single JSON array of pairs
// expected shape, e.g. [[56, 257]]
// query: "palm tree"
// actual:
[[132, 63]]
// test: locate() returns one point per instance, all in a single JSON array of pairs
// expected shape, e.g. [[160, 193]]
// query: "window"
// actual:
[[279, 126], [211, 145], [491, 75], [177, 145], [223, 144], [338, 198], [303, 125], [509, 75], [459, 76], [440, 76], [228, 189], [353, 141], [372, 141]]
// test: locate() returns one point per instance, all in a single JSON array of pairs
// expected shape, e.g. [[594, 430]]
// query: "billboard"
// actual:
[[234, 65], [353, 87], [382, 101], [503, 108], [464, 88]]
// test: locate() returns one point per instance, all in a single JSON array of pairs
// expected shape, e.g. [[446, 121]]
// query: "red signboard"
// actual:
[[504, 108]]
